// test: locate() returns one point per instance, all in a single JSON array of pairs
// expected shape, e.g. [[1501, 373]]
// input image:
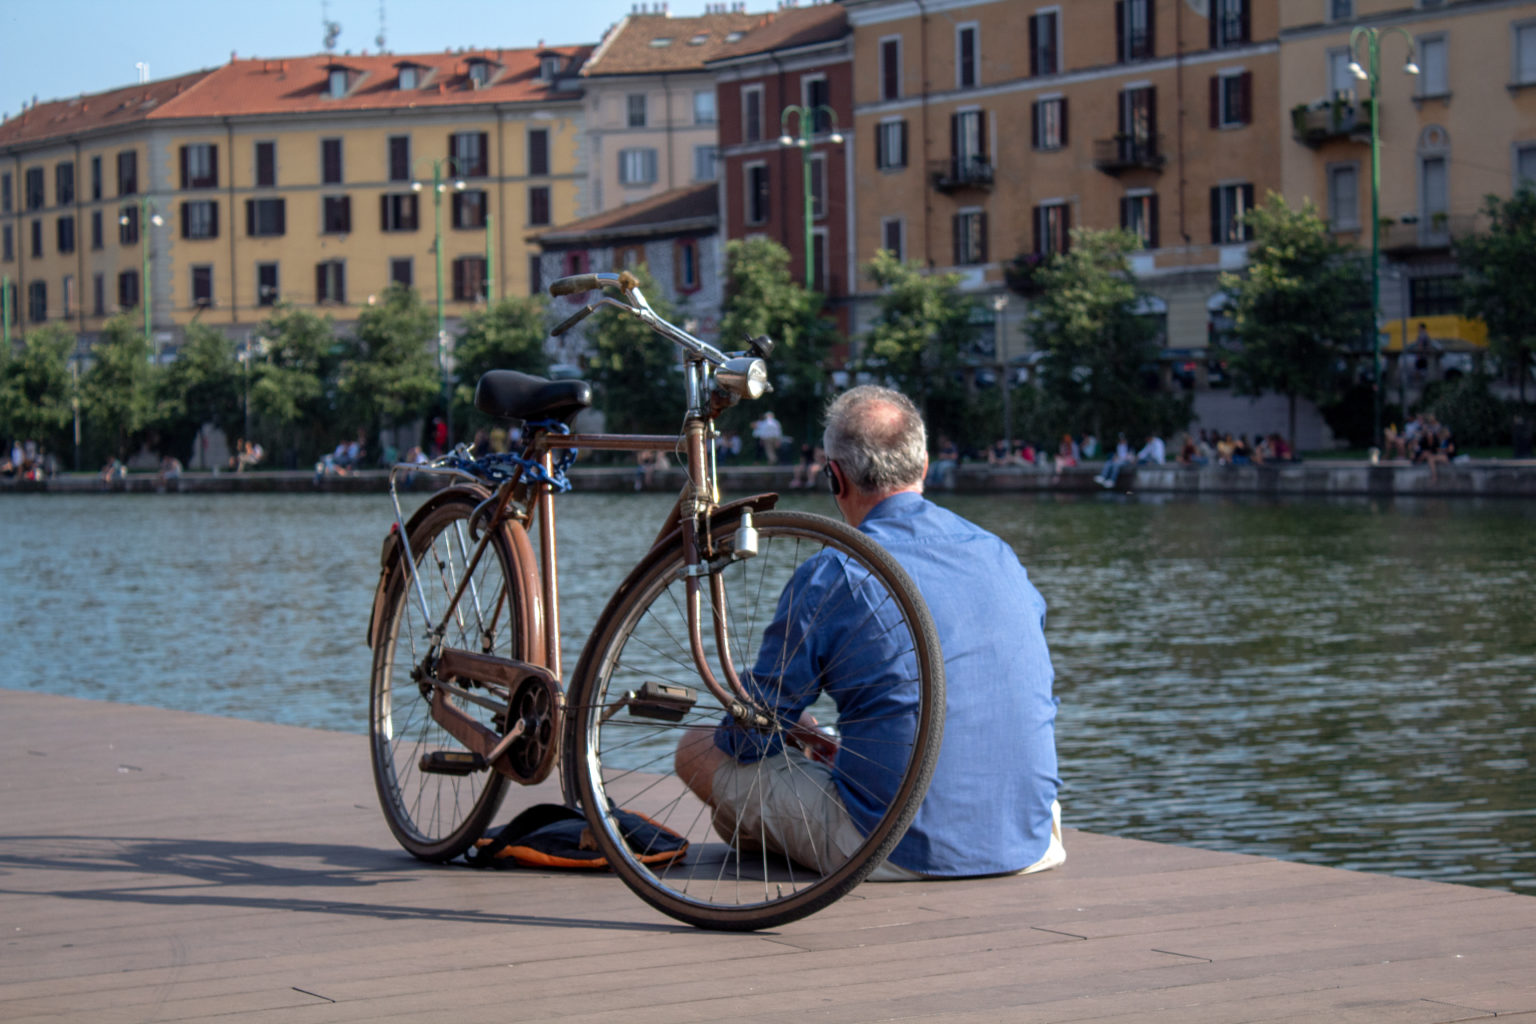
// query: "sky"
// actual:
[[52, 49]]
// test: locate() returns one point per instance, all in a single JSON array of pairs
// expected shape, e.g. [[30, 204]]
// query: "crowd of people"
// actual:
[[1423, 440], [27, 460]]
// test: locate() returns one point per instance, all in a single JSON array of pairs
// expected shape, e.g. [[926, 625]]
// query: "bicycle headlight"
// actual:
[[744, 376]]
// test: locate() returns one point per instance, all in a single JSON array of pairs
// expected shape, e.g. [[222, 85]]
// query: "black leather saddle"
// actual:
[[509, 395]]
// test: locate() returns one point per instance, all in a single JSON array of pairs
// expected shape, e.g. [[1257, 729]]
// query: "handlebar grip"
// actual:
[[572, 320], [573, 284]]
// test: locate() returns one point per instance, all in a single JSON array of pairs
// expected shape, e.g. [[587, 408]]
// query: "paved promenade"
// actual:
[[163, 866]]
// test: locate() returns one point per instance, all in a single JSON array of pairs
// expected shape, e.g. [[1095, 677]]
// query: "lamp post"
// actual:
[[1370, 73], [146, 218], [439, 186], [806, 117], [5, 311]]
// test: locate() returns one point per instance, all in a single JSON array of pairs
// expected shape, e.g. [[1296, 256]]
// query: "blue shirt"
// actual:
[[988, 809]]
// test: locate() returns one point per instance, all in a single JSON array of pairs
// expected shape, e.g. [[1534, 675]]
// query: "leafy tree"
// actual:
[[508, 336], [115, 393], [388, 373], [1098, 350], [1301, 306], [1498, 286], [922, 329], [762, 298], [635, 370], [36, 389], [203, 385], [291, 386]]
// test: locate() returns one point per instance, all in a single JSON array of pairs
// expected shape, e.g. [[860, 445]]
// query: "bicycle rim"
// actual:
[[625, 759], [436, 816]]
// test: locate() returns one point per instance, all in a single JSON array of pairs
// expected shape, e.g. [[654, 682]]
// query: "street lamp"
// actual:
[[439, 186], [1370, 73], [146, 218], [807, 129]]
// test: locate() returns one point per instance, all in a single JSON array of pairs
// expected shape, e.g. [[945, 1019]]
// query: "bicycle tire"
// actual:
[[618, 760], [436, 817]]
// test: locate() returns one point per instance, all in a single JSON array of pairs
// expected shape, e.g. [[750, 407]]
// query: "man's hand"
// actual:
[[817, 745]]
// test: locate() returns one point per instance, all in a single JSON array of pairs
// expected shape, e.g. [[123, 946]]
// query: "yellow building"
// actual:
[[316, 181]]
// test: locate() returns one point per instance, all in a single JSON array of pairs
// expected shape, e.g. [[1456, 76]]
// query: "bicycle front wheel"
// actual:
[[637, 694], [435, 810]]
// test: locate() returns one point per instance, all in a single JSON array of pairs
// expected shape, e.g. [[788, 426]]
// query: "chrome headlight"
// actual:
[[745, 376]]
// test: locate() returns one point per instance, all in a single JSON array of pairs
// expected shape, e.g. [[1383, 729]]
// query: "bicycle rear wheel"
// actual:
[[437, 815], [622, 736]]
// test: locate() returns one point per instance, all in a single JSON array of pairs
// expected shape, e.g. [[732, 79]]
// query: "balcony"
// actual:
[[1129, 153], [1328, 120], [962, 173], [1412, 235]]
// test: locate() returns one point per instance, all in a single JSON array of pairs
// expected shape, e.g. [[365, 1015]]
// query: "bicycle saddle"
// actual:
[[509, 395]]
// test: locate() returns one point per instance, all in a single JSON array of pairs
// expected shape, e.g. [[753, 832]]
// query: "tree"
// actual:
[[1100, 352], [1498, 286], [636, 371], [290, 388], [508, 336], [202, 386], [1301, 306], [761, 298], [388, 373], [921, 331], [36, 389], [115, 393]]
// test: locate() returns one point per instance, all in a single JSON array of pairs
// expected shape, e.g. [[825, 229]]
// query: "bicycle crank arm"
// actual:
[[528, 749]]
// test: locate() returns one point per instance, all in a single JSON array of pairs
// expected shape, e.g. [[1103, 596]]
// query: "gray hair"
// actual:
[[877, 438]]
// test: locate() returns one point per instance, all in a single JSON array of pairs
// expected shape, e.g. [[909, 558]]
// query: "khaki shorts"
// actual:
[[789, 805]]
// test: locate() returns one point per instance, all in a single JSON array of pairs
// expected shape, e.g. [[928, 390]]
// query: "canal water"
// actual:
[[1340, 682]]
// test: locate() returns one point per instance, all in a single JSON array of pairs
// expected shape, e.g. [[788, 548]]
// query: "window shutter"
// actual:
[[1152, 219], [903, 134], [954, 140], [1152, 116], [981, 134], [1148, 11], [981, 231], [213, 166], [1066, 227], [1215, 102], [184, 178], [1034, 124], [250, 216], [1125, 212], [1120, 50], [1064, 121], [1215, 15], [1245, 97], [1037, 215], [346, 213], [954, 230], [1215, 215], [1243, 23], [384, 213], [1034, 45], [186, 222], [881, 160], [213, 220], [1247, 205], [320, 283]]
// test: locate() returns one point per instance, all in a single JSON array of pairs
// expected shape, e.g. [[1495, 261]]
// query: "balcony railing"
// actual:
[[1435, 232], [966, 172], [1128, 153], [1331, 119]]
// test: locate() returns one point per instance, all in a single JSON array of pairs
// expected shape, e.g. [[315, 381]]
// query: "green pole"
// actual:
[[490, 265], [5, 310], [149, 291], [437, 246]]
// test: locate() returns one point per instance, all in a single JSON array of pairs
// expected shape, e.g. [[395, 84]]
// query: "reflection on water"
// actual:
[[1339, 682]]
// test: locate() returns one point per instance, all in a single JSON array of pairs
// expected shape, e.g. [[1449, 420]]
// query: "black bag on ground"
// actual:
[[557, 836]]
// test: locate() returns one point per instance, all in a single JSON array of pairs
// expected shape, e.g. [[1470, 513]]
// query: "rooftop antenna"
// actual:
[[379, 39], [332, 28], [143, 72]]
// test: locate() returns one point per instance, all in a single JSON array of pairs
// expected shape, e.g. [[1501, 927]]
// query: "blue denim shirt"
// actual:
[[988, 809]]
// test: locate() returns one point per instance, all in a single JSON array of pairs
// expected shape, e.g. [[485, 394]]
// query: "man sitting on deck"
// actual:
[[991, 808]]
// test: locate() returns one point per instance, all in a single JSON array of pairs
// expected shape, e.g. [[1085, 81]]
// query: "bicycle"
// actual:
[[467, 695]]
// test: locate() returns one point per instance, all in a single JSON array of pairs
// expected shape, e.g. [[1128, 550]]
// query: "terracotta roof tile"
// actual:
[[634, 45], [694, 205], [790, 28], [97, 111]]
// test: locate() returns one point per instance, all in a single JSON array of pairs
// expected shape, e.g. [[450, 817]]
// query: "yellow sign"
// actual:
[[1447, 333]]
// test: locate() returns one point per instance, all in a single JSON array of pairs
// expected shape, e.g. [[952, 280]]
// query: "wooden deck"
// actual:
[[162, 866]]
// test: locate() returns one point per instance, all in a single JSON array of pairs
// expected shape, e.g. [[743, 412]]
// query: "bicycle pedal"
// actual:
[[451, 762], [665, 702]]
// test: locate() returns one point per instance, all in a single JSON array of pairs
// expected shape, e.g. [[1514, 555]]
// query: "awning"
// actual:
[[1446, 333]]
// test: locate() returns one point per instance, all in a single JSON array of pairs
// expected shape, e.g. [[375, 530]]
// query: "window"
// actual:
[[890, 68], [469, 279], [202, 286], [816, 96], [1525, 166], [1525, 53], [1434, 197], [1053, 222], [399, 156], [538, 151], [65, 234], [98, 294], [704, 163], [336, 215], [266, 284], [538, 205], [7, 244], [266, 164], [891, 145], [967, 57], [756, 193], [968, 146], [752, 113], [549, 67], [96, 230], [575, 263], [264, 218], [469, 208], [1434, 78], [200, 165], [1341, 10], [628, 257], [1138, 215], [128, 172], [37, 301], [398, 211], [819, 260], [330, 161], [409, 77], [1231, 99], [535, 275], [1341, 81], [200, 219], [128, 290], [1044, 43], [685, 265], [95, 177], [1344, 197], [128, 225], [818, 186], [5, 193], [892, 232], [634, 107], [1229, 204], [970, 237], [704, 106], [1138, 123], [36, 200], [1133, 29], [1439, 295], [331, 281], [1048, 123], [480, 73], [1229, 23], [37, 239], [64, 182], [637, 166], [467, 151], [336, 82], [402, 272]]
